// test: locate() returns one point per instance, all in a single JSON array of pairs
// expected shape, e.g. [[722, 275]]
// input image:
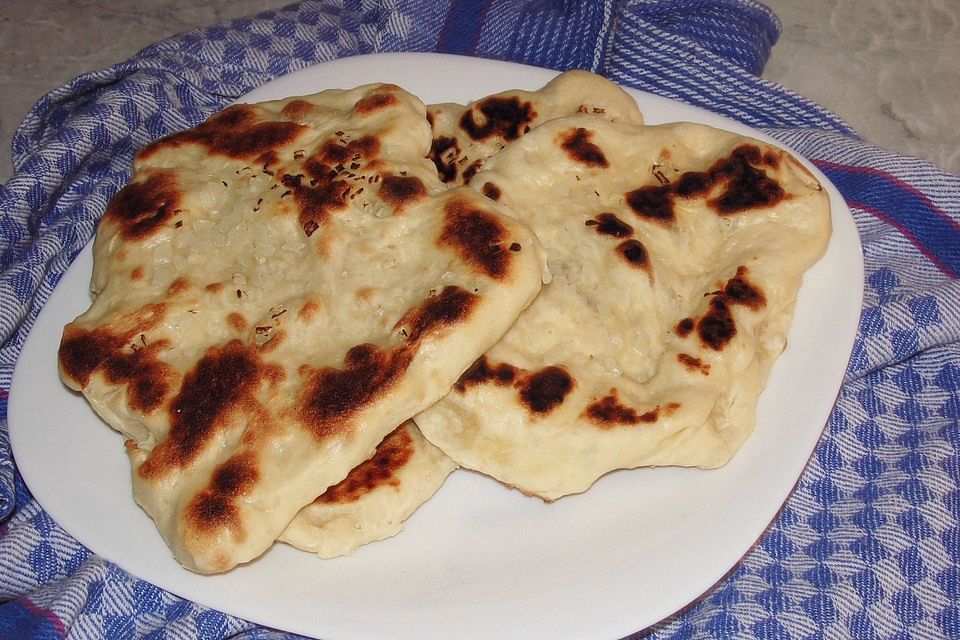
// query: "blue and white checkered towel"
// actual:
[[868, 545]]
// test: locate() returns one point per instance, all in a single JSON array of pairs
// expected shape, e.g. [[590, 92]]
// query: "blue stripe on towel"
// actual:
[[462, 27], [886, 197]]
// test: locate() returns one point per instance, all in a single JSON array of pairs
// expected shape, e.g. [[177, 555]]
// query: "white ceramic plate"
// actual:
[[478, 560]]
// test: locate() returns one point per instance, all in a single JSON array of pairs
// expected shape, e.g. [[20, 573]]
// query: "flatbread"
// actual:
[[375, 498], [276, 290], [465, 135], [676, 253]]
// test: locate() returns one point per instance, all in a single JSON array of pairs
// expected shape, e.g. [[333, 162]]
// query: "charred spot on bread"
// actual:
[[717, 326], [472, 169], [578, 146], [318, 197], [609, 411], [121, 362], [236, 132], [502, 117], [142, 207], [444, 152], [653, 203], [692, 363], [731, 185], [492, 191], [745, 185], [482, 371], [476, 236], [339, 151], [651, 416], [634, 254], [453, 305], [380, 470], [270, 160], [608, 224], [540, 391], [685, 327], [398, 191], [739, 290], [544, 390], [221, 385], [331, 397], [122, 357], [214, 507]]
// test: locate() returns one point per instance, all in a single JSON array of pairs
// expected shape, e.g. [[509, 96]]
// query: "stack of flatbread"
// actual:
[[308, 312]]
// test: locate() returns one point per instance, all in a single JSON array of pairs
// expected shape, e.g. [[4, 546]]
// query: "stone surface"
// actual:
[[46, 43], [888, 67]]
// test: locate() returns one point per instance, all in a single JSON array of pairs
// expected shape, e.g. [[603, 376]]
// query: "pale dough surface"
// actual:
[[676, 252]]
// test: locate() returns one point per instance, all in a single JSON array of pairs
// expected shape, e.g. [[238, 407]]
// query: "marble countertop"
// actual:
[[888, 67]]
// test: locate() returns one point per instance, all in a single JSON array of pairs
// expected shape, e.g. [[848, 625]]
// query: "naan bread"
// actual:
[[375, 498], [465, 135], [336, 524], [275, 291], [676, 253]]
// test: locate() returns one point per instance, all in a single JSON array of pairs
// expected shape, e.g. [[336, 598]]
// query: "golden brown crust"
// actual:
[[214, 507], [221, 385], [122, 356], [379, 470], [236, 132], [142, 207], [476, 236]]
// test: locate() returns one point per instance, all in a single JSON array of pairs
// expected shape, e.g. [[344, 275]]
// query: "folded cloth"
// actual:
[[868, 544]]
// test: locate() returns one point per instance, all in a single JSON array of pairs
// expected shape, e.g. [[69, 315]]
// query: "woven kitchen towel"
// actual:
[[867, 546]]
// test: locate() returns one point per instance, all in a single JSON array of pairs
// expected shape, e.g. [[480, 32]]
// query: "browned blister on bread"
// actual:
[[275, 291], [676, 253]]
